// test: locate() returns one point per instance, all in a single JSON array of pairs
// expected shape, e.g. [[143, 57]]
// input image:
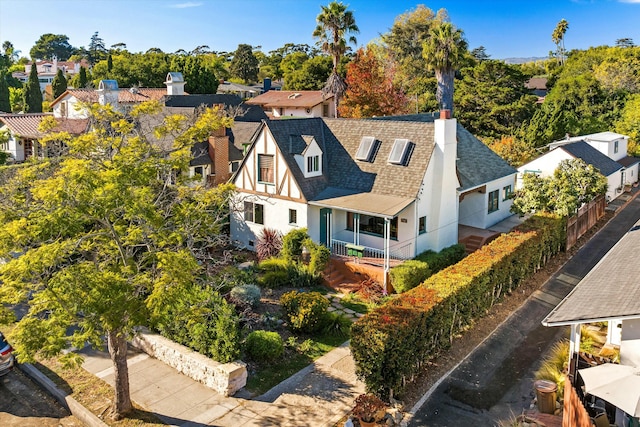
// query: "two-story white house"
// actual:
[[396, 186], [606, 151]]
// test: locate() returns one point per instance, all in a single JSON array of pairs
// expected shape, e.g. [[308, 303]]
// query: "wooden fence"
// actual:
[[574, 413], [586, 218]]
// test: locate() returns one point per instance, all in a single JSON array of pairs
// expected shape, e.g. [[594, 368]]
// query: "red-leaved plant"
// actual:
[[269, 244]]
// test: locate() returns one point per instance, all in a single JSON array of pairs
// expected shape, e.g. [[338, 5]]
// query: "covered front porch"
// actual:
[[365, 228]]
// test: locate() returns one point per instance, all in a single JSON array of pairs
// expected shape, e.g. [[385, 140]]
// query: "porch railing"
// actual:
[[339, 247]]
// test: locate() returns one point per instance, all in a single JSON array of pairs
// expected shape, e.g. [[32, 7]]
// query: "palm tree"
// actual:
[[444, 52], [334, 23], [558, 38]]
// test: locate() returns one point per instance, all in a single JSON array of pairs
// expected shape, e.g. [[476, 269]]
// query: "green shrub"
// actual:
[[319, 256], [304, 311], [440, 260], [274, 279], [264, 346], [232, 276], [292, 243], [408, 275], [200, 319], [246, 294], [275, 264], [336, 324], [390, 344]]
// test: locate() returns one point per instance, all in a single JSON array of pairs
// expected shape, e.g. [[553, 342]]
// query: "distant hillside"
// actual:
[[524, 60]]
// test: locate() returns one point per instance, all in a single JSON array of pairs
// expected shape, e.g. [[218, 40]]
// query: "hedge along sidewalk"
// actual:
[[390, 344]]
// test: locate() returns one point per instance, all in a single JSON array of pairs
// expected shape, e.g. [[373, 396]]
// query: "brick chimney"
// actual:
[[219, 154]]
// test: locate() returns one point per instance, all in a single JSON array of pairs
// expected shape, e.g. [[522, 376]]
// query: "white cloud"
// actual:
[[185, 5]]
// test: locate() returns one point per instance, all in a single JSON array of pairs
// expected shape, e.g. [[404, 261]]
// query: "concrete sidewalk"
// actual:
[[319, 395]]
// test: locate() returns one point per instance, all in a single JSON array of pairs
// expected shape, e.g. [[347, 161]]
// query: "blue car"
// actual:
[[7, 359]]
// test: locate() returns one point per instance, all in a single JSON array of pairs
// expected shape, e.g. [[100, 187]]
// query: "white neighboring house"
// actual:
[[606, 151], [395, 186], [288, 103]]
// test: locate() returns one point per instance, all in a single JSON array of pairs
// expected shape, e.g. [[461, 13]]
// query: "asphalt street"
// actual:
[[495, 381]]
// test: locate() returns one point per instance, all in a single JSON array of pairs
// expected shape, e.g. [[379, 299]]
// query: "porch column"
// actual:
[[574, 347], [356, 228], [387, 242]]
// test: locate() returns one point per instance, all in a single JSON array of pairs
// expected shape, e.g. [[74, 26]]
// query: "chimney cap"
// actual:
[[108, 85], [445, 114], [174, 77]]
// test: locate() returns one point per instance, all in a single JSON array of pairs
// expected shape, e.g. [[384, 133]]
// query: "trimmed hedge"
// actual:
[[408, 275], [304, 311], [440, 260], [390, 344], [264, 346]]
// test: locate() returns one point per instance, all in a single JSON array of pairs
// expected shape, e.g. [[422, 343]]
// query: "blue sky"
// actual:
[[506, 28]]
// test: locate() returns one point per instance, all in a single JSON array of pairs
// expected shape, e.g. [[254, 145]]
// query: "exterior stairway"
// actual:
[[338, 276]]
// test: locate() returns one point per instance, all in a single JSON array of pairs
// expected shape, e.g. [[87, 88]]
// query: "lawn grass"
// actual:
[[308, 349]]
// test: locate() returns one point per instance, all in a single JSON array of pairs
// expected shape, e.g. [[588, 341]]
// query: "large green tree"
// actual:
[[491, 99], [573, 184], [312, 74], [59, 84], [5, 104], [444, 52], [50, 45], [106, 235], [335, 24], [558, 38], [244, 64], [32, 92], [97, 50]]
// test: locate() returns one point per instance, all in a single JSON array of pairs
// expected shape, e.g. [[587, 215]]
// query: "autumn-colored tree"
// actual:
[[515, 151], [371, 90]]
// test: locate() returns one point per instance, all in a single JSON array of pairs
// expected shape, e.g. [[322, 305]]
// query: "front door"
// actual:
[[325, 227]]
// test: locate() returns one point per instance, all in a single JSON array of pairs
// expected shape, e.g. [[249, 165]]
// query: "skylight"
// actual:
[[398, 154], [365, 150]]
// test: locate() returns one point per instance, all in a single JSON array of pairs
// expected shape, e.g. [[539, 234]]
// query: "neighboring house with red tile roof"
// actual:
[[24, 134], [47, 70], [288, 103]]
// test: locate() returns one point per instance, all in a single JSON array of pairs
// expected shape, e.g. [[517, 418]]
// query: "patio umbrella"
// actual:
[[617, 384]]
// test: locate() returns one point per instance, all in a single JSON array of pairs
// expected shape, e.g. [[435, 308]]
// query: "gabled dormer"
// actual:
[[310, 159]]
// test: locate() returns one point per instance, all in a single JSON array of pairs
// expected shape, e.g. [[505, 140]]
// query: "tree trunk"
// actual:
[[117, 344], [444, 92]]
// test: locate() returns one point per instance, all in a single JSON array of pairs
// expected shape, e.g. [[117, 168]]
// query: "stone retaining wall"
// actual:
[[225, 378]]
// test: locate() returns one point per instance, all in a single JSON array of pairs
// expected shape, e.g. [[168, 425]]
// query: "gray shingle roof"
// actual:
[[339, 140], [591, 156], [611, 290], [477, 164]]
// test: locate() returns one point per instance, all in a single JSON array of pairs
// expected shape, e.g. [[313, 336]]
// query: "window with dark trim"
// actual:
[[293, 216], [313, 164], [615, 147], [506, 192], [254, 212], [265, 168], [422, 225], [373, 225], [493, 200]]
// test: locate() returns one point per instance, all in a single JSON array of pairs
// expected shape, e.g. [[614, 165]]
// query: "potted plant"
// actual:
[[369, 409]]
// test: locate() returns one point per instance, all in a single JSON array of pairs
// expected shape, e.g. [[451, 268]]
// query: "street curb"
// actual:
[[83, 414]]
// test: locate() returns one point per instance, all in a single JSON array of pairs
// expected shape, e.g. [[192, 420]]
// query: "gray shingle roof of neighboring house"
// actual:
[[200, 154], [610, 290], [244, 112], [477, 164], [591, 156]]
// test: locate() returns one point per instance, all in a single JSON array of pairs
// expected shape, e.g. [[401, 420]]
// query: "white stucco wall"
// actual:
[[69, 107], [474, 208], [276, 216], [544, 165], [316, 111], [630, 344], [16, 150]]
